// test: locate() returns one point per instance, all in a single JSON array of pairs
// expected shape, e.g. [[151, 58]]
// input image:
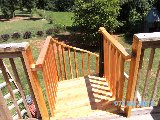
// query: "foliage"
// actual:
[[89, 16], [27, 35], [5, 37], [133, 13], [40, 33], [46, 5], [50, 31], [64, 5], [30, 4], [8, 8], [16, 35]]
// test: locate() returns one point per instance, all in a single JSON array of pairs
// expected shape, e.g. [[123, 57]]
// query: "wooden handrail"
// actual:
[[115, 43], [59, 47], [42, 55], [77, 49]]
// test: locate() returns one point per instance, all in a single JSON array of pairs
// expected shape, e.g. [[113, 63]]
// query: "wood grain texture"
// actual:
[[19, 84], [70, 62], [115, 43], [28, 59], [76, 65], [148, 72], [133, 73], [9, 87]]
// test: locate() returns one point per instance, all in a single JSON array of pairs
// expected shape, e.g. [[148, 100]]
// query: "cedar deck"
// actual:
[[89, 99]]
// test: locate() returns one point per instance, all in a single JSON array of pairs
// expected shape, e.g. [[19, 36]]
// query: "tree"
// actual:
[[8, 8], [132, 14], [29, 4], [91, 14]]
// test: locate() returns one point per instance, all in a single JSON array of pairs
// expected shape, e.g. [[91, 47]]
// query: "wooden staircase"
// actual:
[[83, 97]]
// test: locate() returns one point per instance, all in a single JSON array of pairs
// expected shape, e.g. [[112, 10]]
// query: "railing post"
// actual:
[[101, 56], [133, 73], [29, 62]]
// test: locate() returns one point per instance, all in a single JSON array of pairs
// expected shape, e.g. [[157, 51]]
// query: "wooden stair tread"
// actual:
[[81, 97]]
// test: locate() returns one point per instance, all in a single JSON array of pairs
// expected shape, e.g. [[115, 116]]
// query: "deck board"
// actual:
[[82, 97], [90, 99]]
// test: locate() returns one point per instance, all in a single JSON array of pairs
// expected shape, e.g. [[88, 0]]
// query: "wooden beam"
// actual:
[[9, 87], [19, 84], [30, 86], [27, 55], [148, 72], [10, 55], [13, 47], [4, 111], [133, 73], [115, 43]]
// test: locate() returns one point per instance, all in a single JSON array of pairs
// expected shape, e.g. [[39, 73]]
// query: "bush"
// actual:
[[16, 35], [27, 35], [5, 37], [40, 33], [50, 31], [89, 16]]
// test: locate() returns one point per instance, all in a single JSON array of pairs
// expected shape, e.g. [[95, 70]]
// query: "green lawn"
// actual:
[[34, 25], [63, 18]]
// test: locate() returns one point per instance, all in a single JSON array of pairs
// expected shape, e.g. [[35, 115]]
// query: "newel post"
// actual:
[[133, 74], [30, 66], [101, 55]]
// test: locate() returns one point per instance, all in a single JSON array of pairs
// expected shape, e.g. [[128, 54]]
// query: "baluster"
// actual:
[[113, 71], [88, 64], [83, 63], [19, 84], [76, 66], [96, 65], [105, 57], [59, 61], [117, 75], [70, 63], [148, 72], [10, 88], [121, 81], [64, 63], [155, 84], [47, 80]]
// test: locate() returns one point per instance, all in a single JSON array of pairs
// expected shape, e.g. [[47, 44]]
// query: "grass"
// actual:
[[62, 18], [35, 24]]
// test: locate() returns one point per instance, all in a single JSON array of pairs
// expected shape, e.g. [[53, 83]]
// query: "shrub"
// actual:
[[5, 37], [50, 31], [16, 35], [89, 16], [40, 33], [27, 35]]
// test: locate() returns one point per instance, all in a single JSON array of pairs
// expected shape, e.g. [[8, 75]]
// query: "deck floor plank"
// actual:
[[89, 98]]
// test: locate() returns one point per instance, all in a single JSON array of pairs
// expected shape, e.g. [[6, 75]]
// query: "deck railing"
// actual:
[[12, 91], [54, 66], [67, 60], [115, 56]]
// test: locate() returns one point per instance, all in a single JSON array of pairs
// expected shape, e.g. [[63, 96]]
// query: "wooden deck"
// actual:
[[83, 97], [89, 99]]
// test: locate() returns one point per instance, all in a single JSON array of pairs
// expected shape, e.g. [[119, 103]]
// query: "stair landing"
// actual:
[[83, 97]]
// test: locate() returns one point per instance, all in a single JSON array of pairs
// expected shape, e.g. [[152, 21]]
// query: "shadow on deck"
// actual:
[[83, 97]]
